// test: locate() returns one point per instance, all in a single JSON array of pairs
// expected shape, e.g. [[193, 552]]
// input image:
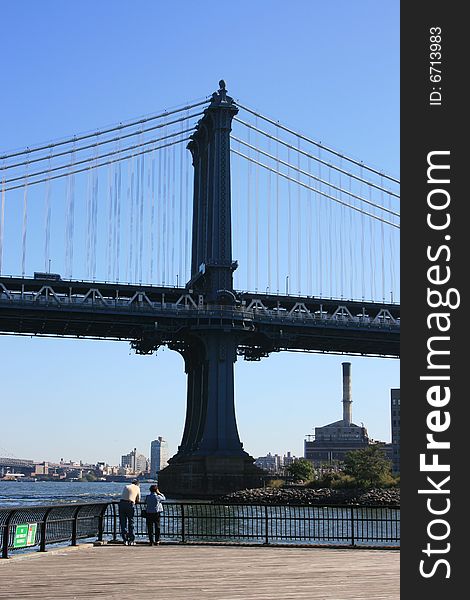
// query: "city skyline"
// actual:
[[94, 399]]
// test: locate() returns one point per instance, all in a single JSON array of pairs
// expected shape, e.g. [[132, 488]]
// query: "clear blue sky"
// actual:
[[330, 70]]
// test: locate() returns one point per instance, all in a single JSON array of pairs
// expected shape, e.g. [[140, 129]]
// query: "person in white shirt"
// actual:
[[130, 495]]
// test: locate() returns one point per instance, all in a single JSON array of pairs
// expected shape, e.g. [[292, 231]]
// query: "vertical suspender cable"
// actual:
[[341, 241], [277, 214], [164, 206], [371, 247], [68, 218], [95, 221], [248, 221], [382, 239], [151, 191], [137, 217], [159, 269], [115, 219], [88, 222], [269, 220], [2, 224], [110, 222], [180, 236], [47, 219], [236, 205], [330, 246], [131, 220], [128, 200], [320, 233], [72, 211], [25, 223], [173, 213], [299, 225], [187, 218], [309, 235], [142, 212], [392, 256], [118, 220], [67, 228], [256, 218], [289, 219], [352, 248], [363, 258]]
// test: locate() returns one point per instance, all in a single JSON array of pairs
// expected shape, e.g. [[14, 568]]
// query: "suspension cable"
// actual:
[[95, 166], [315, 189], [318, 144], [98, 157], [317, 159], [75, 139], [328, 183]]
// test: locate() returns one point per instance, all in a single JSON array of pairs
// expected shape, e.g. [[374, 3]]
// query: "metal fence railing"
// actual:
[[40, 526]]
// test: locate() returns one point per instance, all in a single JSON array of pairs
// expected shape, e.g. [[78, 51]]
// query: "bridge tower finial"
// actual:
[[220, 97]]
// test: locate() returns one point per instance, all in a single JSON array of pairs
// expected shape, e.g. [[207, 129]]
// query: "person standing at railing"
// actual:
[[130, 495], [154, 509]]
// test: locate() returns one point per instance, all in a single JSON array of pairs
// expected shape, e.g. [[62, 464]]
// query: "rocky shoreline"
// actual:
[[308, 496]]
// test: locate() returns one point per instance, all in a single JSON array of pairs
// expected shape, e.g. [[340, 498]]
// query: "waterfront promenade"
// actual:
[[198, 572]]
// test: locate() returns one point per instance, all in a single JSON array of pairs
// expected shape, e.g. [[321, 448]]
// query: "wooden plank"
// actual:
[[176, 572]]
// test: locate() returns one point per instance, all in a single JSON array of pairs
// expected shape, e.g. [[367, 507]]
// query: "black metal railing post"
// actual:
[[101, 523], [353, 542], [6, 534], [266, 525], [74, 527], [183, 537], [114, 522], [42, 543]]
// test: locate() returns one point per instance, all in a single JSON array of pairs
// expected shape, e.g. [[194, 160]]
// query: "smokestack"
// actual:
[[347, 402]]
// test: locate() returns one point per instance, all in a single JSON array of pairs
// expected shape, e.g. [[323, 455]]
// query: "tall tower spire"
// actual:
[[347, 401]]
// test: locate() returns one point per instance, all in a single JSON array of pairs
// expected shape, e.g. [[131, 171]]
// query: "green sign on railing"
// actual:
[[25, 535]]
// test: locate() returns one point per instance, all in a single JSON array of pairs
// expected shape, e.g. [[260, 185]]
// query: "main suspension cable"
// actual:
[[309, 175], [96, 166], [99, 143], [98, 157], [102, 132], [315, 189], [319, 145], [318, 159]]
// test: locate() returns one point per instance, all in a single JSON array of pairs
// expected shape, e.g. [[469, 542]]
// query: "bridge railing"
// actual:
[[38, 527], [336, 313]]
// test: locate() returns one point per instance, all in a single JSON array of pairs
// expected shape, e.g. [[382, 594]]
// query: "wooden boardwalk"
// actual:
[[174, 572]]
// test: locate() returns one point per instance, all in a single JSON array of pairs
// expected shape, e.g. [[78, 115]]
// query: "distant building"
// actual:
[[395, 426], [270, 462], [274, 463], [134, 462], [41, 468], [332, 442], [289, 459], [158, 456]]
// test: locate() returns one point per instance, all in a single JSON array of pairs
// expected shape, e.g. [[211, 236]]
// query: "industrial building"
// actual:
[[331, 442]]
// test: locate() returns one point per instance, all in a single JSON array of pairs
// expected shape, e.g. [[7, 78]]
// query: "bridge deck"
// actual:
[[202, 573]]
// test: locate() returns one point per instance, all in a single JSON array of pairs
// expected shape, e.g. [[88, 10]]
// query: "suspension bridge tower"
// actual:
[[210, 460]]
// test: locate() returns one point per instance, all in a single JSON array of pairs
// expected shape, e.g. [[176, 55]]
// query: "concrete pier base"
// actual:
[[205, 477]]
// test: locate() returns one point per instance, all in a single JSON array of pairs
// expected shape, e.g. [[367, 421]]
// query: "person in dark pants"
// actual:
[[130, 495], [153, 503]]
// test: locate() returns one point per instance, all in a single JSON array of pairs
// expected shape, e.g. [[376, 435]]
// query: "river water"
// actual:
[[21, 493]]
